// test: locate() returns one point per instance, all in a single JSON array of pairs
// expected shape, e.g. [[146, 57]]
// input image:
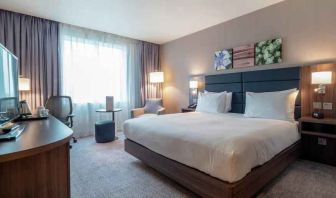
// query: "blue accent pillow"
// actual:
[[153, 105]]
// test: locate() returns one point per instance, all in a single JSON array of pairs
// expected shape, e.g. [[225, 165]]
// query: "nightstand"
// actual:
[[186, 110], [319, 139]]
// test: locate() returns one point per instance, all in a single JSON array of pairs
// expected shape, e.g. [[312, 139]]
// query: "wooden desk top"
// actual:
[[38, 136]]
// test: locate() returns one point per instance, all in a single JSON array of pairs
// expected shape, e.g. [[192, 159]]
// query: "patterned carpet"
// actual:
[[105, 170]]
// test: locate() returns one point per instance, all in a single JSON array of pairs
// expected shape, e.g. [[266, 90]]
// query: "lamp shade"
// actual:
[[24, 84], [321, 77], [156, 77], [193, 84]]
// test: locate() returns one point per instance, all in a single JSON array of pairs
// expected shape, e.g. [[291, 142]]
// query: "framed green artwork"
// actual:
[[268, 52]]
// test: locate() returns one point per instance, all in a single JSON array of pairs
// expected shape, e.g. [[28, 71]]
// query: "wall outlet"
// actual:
[[322, 141], [317, 105], [327, 105]]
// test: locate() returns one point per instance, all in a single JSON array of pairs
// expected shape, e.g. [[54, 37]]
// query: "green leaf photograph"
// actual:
[[268, 52]]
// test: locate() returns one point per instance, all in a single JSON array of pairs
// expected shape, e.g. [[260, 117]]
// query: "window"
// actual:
[[93, 70], [95, 65]]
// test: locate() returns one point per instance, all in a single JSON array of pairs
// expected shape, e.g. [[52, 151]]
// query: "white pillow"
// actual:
[[228, 100], [212, 103], [291, 104], [279, 105]]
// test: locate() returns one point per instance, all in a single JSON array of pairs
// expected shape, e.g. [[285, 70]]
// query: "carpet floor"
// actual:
[[106, 170]]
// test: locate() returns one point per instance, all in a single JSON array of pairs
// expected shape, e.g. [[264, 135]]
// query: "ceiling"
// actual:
[[156, 21]]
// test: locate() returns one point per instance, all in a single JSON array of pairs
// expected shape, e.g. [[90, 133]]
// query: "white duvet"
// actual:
[[226, 146]]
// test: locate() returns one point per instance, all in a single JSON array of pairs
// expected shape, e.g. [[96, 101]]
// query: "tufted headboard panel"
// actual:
[[255, 81]]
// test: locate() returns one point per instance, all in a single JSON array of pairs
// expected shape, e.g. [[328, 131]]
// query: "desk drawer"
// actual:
[[316, 127]]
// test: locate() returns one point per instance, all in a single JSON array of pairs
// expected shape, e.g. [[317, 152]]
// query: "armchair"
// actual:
[[153, 107]]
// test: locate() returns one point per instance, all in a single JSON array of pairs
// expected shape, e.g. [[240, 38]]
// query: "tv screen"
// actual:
[[9, 91]]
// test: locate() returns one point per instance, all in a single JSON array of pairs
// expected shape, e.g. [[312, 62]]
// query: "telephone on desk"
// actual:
[[192, 106], [11, 131]]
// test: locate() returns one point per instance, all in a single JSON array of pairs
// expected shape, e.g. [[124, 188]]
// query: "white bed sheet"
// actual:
[[225, 146]]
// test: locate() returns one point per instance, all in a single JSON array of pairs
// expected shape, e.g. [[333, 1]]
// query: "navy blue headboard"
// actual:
[[255, 81]]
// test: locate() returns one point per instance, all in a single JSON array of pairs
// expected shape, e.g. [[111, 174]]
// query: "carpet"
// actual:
[[106, 170]]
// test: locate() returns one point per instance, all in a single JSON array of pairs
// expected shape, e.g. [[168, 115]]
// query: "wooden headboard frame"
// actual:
[[255, 81]]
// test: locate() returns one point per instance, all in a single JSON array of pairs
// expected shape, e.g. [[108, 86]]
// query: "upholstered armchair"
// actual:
[[153, 107]]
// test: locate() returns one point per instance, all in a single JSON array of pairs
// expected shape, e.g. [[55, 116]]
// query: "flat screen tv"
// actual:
[[9, 91]]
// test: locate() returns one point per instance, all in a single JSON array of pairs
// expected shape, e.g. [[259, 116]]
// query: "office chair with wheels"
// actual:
[[61, 108]]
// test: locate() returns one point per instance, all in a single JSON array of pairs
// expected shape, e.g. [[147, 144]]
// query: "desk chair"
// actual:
[[61, 108]]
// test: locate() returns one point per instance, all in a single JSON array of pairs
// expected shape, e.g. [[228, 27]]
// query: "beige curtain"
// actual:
[[150, 63], [35, 42]]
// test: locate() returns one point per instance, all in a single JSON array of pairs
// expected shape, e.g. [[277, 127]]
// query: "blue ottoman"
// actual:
[[105, 131]]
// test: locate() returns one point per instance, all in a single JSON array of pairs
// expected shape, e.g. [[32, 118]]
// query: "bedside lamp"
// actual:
[[156, 77], [321, 79], [24, 85]]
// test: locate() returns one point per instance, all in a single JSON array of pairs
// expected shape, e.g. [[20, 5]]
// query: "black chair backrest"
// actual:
[[60, 107]]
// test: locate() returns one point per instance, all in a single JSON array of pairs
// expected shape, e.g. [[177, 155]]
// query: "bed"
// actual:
[[221, 155]]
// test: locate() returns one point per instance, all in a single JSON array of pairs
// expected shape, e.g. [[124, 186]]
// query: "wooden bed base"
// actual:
[[208, 186]]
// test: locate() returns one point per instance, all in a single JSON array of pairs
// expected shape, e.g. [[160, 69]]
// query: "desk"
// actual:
[[37, 163]]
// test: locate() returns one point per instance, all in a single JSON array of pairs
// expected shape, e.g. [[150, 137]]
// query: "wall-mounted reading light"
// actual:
[[321, 79], [193, 85]]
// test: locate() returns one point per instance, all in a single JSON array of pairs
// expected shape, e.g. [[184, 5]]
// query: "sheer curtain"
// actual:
[[95, 65]]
